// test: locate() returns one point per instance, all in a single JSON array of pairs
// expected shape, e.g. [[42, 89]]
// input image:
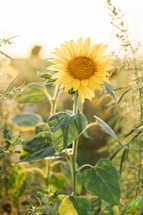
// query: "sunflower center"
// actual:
[[81, 68]]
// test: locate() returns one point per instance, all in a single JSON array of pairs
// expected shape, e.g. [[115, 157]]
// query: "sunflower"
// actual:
[[81, 67]]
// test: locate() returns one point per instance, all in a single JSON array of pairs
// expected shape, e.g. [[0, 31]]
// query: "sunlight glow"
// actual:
[[49, 23]]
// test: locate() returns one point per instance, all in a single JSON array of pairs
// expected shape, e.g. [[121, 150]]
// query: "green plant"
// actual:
[[52, 141]]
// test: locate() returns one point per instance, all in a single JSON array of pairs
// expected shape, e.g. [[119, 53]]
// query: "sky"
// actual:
[[51, 22]]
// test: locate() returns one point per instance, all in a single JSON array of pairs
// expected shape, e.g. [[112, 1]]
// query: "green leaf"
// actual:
[[109, 130], [117, 150], [73, 205], [123, 96], [122, 160], [103, 181], [109, 90], [43, 126], [44, 75], [66, 128], [10, 85], [38, 148], [6, 55], [19, 179], [27, 119], [33, 93], [49, 81], [133, 130]]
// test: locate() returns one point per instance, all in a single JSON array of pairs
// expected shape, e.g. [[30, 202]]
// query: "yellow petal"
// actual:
[[79, 46], [84, 83], [96, 79], [86, 46], [94, 50], [52, 68], [68, 49], [61, 54], [81, 94], [104, 58], [58, 81], [74, 47], [93, 85], [58, 75], [57, 67], [76, 84], [57, 61], [101, 50], [68, 82], [88, 94], [104, 69]]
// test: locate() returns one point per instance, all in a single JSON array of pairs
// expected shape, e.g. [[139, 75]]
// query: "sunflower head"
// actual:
[[81, 68]]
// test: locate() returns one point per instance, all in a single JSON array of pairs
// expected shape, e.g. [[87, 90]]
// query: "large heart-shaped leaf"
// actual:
[[33, 93], [103, 181], [66, 128], [38, 148], [74, 205]]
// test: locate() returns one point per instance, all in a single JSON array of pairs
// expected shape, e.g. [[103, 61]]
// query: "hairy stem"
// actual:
[[53, 103], [74, 146], [54, 100]]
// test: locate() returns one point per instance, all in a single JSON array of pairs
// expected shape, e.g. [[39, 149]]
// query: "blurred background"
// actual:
[[49, 23]]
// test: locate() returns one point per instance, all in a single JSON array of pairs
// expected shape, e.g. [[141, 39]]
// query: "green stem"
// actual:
[[84, 166], [74, 146], [74, 168], [54, 100], [53, 103], [75, 104]]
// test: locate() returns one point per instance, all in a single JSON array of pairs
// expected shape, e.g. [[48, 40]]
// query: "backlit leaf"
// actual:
[[66, 128], [33, 93]]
